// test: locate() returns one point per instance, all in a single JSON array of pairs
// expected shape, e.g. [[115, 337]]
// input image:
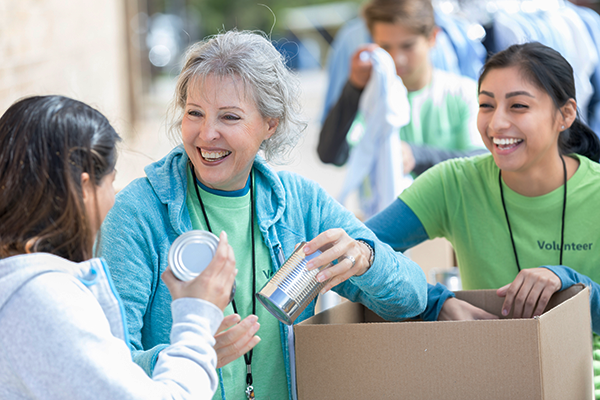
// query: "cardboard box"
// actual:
[[348, 352]]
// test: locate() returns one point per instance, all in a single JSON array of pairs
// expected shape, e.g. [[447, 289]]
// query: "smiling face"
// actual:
[[518, 122], [409, 50], [222, 130]]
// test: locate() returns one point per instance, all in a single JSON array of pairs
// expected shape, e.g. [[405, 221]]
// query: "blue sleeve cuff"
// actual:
[[570, 277], [147, 359], [436, 297]]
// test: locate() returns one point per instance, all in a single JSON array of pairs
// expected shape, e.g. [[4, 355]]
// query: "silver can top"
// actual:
[[191, 253]]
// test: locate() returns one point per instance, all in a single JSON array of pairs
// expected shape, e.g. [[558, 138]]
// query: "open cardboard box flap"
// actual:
[[348, 352]]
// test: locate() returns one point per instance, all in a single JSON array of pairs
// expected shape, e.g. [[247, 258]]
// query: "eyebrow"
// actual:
[[508, 95], [519, 93], [220, 108]]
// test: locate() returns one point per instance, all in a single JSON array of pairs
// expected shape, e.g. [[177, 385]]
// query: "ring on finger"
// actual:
[[352, 259]]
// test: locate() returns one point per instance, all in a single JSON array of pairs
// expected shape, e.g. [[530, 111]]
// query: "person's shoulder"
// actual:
[[457, 175], [589, 168], [136, 192], [478, 164], [592, 165], [293, 181], [455, 172], [55, 290]]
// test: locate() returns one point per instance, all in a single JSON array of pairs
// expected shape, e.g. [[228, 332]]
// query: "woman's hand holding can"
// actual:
[[352, 257], [213, 284]]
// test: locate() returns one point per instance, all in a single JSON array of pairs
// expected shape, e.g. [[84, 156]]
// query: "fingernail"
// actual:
[[321, 277], [309, 265], [505, 312], [306, 249], [252, 319], [255, 328]]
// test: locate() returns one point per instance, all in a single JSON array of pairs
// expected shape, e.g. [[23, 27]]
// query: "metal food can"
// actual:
[[191, 253], [292, 288]]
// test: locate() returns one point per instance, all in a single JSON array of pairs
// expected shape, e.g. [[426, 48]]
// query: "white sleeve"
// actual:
[[57, 344]]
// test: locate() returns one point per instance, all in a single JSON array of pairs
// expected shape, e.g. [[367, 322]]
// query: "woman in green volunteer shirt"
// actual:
[[523, 219], [235, 97]]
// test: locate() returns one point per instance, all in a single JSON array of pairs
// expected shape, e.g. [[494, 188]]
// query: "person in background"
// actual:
[[62, 331], [235, 97], [443, 105], [521, 219]]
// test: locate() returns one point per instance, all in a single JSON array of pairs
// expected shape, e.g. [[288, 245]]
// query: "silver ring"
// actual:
[[352, 259]]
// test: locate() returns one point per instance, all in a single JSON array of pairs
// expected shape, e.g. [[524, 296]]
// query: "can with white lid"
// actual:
[[191, 253]]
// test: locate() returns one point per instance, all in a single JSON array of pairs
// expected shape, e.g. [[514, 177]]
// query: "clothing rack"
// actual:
[[482, 11]]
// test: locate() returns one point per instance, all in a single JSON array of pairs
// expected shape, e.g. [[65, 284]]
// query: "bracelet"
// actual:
[[371, 256]]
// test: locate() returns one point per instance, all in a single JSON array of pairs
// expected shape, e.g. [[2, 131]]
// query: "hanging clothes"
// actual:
[[564, 30], [591, 20], [375, 163]]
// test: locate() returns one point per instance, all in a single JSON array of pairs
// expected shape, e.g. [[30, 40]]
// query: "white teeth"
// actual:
[[214, 155], [504, 142]]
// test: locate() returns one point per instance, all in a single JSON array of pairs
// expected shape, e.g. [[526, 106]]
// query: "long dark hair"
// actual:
[[549, 71], [46, 143]]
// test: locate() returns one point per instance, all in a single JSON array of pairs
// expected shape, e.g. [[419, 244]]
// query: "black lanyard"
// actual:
[[247, 356], [562, 226]]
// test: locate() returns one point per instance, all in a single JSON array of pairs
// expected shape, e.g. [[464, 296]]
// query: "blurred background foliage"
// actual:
[[301, 29], [213, 16]]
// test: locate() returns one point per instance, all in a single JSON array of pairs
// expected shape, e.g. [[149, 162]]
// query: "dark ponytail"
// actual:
[[549, 71], [580, 139]]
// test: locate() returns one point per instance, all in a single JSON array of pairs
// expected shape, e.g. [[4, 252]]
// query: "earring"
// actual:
[[562, 127]]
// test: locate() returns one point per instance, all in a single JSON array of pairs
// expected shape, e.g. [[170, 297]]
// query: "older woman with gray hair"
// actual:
[[235, 98]]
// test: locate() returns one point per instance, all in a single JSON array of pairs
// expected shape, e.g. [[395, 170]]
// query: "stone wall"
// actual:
[[76, 48]]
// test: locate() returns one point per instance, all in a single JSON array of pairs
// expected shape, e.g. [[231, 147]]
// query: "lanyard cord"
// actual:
[[562, 227], [247, 356]]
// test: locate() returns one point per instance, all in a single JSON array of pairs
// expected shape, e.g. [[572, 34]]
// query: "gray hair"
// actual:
[[251, 57]]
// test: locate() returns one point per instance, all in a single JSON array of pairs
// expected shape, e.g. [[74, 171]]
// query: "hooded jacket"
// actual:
[[63, 336], [151, 212]]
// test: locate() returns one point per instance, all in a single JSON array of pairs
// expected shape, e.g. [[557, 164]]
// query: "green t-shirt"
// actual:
[[232, 215], [460, 200], [443, 114]]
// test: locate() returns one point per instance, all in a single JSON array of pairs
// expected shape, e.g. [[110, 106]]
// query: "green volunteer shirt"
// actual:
[[232, 215], [460, 200], [443, 114]]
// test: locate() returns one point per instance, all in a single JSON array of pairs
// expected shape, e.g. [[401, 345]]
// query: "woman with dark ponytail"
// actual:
[[523, 219], [548, 70], [62, 329]]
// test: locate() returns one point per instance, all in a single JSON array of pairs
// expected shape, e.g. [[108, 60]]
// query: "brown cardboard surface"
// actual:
[[562, 364], [340, 355]]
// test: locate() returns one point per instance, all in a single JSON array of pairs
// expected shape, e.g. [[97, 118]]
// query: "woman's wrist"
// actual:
[[368, 253]]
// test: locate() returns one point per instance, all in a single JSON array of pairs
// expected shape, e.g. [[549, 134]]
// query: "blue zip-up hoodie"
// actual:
[[150, 213]]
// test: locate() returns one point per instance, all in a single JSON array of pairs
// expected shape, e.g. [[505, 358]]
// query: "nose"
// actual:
[[208, 131], [498, 121], [399, 58]]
